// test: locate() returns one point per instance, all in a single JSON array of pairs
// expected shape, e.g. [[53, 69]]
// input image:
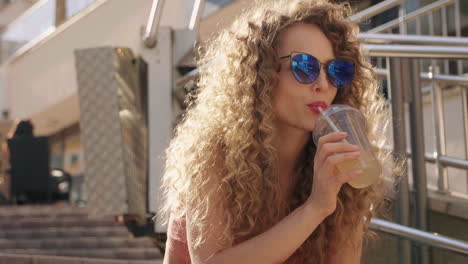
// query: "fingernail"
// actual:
[[357, 154], [358, 172]]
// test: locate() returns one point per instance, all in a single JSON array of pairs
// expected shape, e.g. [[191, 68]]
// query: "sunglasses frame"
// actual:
[[321, 64]]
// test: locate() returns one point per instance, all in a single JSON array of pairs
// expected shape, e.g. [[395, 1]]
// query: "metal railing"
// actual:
[[377, 38], [375, 10], [34, 25], [412, 16], [152, 26], [426, 238], [395, 73], [151, 30]]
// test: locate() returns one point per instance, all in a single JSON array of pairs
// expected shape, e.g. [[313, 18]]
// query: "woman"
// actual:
[[244, 183]]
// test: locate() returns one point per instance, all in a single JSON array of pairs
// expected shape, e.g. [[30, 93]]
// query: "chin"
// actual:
[[309, 127]]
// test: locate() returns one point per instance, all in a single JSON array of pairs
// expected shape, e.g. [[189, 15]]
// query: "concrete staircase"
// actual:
[[65, 234]]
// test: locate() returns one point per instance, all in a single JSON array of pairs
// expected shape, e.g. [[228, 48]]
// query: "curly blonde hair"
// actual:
[[223, 154]]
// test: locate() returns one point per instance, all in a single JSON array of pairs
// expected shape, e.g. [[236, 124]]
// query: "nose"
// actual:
[[321, 84]]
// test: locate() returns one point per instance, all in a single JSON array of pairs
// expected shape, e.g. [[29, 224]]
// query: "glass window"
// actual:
[[36, 21], [74, 6]]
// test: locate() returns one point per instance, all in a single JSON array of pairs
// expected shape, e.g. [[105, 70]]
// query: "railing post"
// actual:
[[151, 31], [464, 98], [464, 93], [439, 122], [399, 138], [418, 154], [197, 12]]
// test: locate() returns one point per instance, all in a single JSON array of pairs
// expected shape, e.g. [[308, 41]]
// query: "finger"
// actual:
[[332, 137], [336, 159], [347, 177], [329, 149]]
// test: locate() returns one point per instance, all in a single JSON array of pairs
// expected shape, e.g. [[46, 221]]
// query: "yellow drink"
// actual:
[[369, 165]]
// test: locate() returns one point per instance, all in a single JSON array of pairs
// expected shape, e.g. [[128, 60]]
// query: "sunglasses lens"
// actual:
[[341, 73], [305, 68]]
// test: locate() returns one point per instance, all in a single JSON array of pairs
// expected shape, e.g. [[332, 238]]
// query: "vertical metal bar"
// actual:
[[399, 138], [418, 153], [418, 26], [458, 31], [443, 17], [464, 97], [152, 26], [439, 122], [464, 94], [402, 13], [197, 12], [419, 33], [60, 12], [430, 18]]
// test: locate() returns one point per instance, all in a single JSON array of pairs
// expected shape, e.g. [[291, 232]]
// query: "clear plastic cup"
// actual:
[[343, 118]]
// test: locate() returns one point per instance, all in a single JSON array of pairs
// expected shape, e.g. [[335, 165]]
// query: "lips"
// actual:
[[315, 106]]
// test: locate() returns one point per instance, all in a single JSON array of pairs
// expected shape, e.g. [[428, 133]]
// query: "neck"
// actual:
[[290, 143]]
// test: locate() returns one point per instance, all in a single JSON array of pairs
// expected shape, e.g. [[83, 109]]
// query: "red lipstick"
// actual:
[[315, 106]]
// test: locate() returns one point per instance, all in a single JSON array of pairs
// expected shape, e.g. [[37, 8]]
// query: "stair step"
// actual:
[[77, 243], [41, 210], [64, 232], [43, 222], [36, 259], [115, 253]]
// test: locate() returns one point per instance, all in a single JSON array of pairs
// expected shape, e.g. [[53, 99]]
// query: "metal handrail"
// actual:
[[426, 238], [426, 77], [152, 26], [411, 16], [374, 10], [417, 51], [151, 30], [445, 160], [378, 38]]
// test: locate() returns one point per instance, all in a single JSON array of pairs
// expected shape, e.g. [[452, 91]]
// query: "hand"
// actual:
[[327, 180]]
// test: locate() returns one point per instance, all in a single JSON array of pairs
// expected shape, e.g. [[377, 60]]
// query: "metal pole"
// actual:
[[443, 16], [379, 38], [460, 72], [197, 12], [402, 13], [418, 33], [374, 10], [416, 51], [464, 97], [399, 138], [439, 122], [435, 240], [418, 154], [152, 26], [456, 17]]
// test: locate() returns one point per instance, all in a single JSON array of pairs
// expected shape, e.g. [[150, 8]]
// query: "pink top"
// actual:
[[177, 241]]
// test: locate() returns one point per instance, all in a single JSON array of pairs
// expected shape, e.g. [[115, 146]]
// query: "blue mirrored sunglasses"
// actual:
[[306, 69]]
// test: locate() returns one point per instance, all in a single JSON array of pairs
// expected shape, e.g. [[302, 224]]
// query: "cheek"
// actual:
[[286, 99]]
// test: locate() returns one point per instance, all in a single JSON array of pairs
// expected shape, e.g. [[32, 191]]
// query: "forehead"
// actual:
[[307, 38]]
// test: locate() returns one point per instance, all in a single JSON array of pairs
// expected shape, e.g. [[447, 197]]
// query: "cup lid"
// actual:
[[335, 108], [331, 110]]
